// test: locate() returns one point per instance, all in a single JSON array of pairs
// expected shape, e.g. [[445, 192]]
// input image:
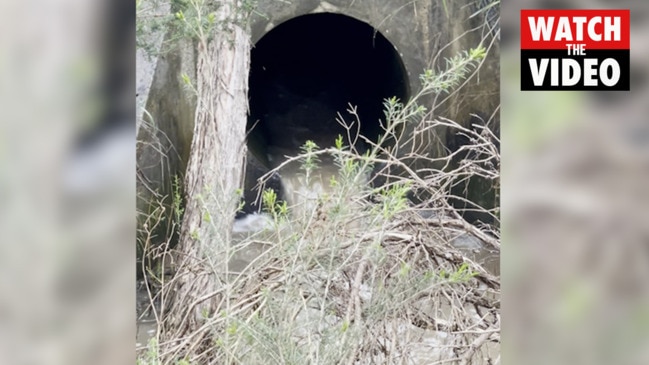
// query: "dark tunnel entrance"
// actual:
[[309, 68]]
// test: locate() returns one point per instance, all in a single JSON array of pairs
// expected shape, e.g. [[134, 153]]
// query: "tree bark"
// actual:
[[213, 177]]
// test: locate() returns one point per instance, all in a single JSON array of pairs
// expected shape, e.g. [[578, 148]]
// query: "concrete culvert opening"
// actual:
[[306, 70]]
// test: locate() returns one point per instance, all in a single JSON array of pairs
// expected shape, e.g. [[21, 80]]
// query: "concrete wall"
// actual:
[[423, 33]]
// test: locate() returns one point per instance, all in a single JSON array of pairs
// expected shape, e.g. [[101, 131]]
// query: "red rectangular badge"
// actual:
[[575, 49], [555, 29]]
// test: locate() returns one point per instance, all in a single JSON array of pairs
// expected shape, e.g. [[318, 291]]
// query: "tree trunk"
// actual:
[[213, 177]]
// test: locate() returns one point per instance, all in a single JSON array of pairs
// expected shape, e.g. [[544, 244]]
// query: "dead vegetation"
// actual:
[[364, 276], [379, 268]]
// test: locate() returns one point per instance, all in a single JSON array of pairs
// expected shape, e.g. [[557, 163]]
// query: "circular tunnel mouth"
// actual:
[[310, 68]]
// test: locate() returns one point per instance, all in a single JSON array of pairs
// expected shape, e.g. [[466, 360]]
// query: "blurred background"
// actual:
[[67, 182], [575, 188]]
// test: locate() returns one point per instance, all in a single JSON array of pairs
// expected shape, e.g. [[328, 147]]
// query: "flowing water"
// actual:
[[302, 195]]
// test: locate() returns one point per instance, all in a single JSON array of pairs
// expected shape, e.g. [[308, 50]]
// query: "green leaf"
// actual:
[[477, 53], [339, 142], [186, 79]]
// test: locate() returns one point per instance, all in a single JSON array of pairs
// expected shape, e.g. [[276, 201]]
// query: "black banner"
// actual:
[[557, 70]]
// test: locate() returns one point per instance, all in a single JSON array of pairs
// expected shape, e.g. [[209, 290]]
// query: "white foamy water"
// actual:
[[302, 194], [251, 223]]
